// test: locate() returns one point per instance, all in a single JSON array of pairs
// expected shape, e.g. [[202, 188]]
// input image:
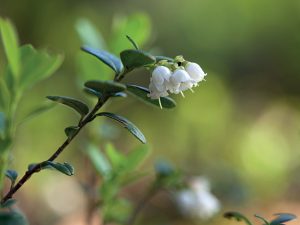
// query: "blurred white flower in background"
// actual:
[[197, 201]]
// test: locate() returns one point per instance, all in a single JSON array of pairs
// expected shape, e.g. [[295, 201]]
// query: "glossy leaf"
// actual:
[[120, 94], [75, 104], [71, 131], [238, 216], [282, 218], [12, 218], [127, 124], [12, 175], [9, 203], [105, 87], [99, 160], [92, 92], [109, 59], [37, 65], [64, 168], [132, 42], [141, 93], [132, 58], [11, 45]]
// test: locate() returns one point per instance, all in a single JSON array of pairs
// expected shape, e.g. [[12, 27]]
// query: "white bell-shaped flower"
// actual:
[[180, 81], [159, 82], [195, 72]]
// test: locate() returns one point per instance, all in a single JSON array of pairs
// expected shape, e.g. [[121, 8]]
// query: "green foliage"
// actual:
[[12, 175], [127, 124], [75, 104], [105, 87], [109, 59], [141, 93], [64, 168], [118, 170], [71, 131], [11, 45], [132, 58], [281, 218], [12, 218]]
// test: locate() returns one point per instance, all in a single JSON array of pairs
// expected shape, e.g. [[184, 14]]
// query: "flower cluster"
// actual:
[[174, 77]]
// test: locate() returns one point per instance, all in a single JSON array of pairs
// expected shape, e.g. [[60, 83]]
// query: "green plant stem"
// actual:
[[37, 167], [140, 205]]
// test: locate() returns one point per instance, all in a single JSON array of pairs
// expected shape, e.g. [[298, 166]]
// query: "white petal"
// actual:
[[195, 71]]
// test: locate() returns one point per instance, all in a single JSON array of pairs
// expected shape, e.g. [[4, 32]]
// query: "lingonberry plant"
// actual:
[[26, 66]]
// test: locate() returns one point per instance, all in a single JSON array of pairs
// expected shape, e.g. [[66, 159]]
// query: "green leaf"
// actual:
[[132, 58], [11, 45], [12, 175], [109, 59], [282, 218], [127, 124], [238, 216], [12, 218], [132, 42], [71, 131], [37, 65], [9, 203], [120, 94], [4, 95], [92, 92], [77, 105], [64, 168], [116, 158], [99, 160], [141, 93], [89, 34], [2, 124], [136, 157], [105, 87], [137, 25]]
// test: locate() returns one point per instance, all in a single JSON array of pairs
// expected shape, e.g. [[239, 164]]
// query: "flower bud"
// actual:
[[195, 72]]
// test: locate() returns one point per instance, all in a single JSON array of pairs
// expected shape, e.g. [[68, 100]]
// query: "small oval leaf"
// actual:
[[77, 105], [105, 87], [127, 124], [64, 168], [71, 131], [12, 175], [141, 93], [92, 92], [109, 59], [282, 218], [132, 58]]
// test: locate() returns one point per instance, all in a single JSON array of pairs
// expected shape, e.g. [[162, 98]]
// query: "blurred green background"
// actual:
[[241, 128]]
